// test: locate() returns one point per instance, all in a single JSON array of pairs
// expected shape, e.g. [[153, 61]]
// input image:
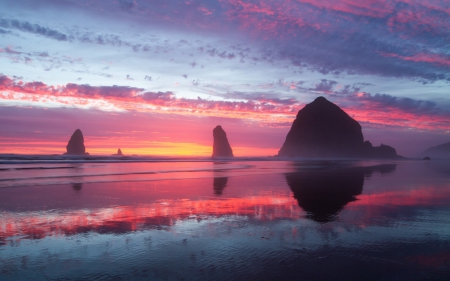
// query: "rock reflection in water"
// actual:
[[219, 185], [322, 193], [77, 186]]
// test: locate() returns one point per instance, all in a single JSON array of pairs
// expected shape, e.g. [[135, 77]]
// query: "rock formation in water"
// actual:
[[76, 144], [323, 129], [221, 146], [119, 153], [439, 151], [382, 151]]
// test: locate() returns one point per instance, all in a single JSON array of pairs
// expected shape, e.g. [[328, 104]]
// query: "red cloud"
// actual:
[[376, 9], [264, 110], [371, 113], [423, 57], [131, 98], [282, 17]]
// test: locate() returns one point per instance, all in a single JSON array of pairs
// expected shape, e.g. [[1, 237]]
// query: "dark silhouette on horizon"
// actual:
[[219, 185], [119, 153], [221, 146], [438, 151], [76, 144], [323, 129], [323, 192]]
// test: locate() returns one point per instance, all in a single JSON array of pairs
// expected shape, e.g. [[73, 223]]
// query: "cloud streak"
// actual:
[[377, 109], [131, 98], [33, 28], [389, 38]]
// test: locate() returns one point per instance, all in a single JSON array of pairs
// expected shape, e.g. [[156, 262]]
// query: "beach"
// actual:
[[222, 219]]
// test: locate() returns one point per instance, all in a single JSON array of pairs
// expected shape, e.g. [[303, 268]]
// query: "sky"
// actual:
[[155, 77]]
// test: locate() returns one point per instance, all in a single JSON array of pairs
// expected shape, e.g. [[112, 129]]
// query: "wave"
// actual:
[[113, 172], [35, 168], [67, 159]]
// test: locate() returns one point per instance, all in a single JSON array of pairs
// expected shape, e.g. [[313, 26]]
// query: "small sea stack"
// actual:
[[76, 144], [221, 146], [119, 153]]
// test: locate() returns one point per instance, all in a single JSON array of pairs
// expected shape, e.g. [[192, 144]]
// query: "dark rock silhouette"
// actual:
[[76, 144], [322, 193], [323, 129], [438, 151], [77, 186], [221, 147], [382, 151], [219, 185], [119, 153]]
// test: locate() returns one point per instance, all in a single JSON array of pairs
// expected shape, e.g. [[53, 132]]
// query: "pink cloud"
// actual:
[[266, 16], [263, 110], [205, 11], [423, 57], [130, 98], [372, 8], [280, 18], [9, 50]]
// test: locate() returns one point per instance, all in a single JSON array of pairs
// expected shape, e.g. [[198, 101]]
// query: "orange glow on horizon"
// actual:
[[98, 147], [269, 115]]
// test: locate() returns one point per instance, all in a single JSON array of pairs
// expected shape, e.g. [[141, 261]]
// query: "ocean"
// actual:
[[146, 218]]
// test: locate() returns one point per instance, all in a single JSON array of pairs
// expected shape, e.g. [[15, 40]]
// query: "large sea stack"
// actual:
[[221, 146], [76, 144], [322, 129]]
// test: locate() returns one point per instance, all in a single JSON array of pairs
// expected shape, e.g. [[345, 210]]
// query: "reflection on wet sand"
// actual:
[[219, 185], [323, 192], [77, 186], [390, 227], [156, 215]]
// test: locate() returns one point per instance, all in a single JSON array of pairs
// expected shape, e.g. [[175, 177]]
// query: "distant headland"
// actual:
[[438, 151]]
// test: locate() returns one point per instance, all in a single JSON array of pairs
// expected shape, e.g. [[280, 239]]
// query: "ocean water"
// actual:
[[137, 218]]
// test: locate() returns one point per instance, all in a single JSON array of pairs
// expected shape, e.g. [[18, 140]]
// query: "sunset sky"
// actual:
[[155, 77]]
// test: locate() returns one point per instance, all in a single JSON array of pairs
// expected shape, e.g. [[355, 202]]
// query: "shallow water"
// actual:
[[225, 220]]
